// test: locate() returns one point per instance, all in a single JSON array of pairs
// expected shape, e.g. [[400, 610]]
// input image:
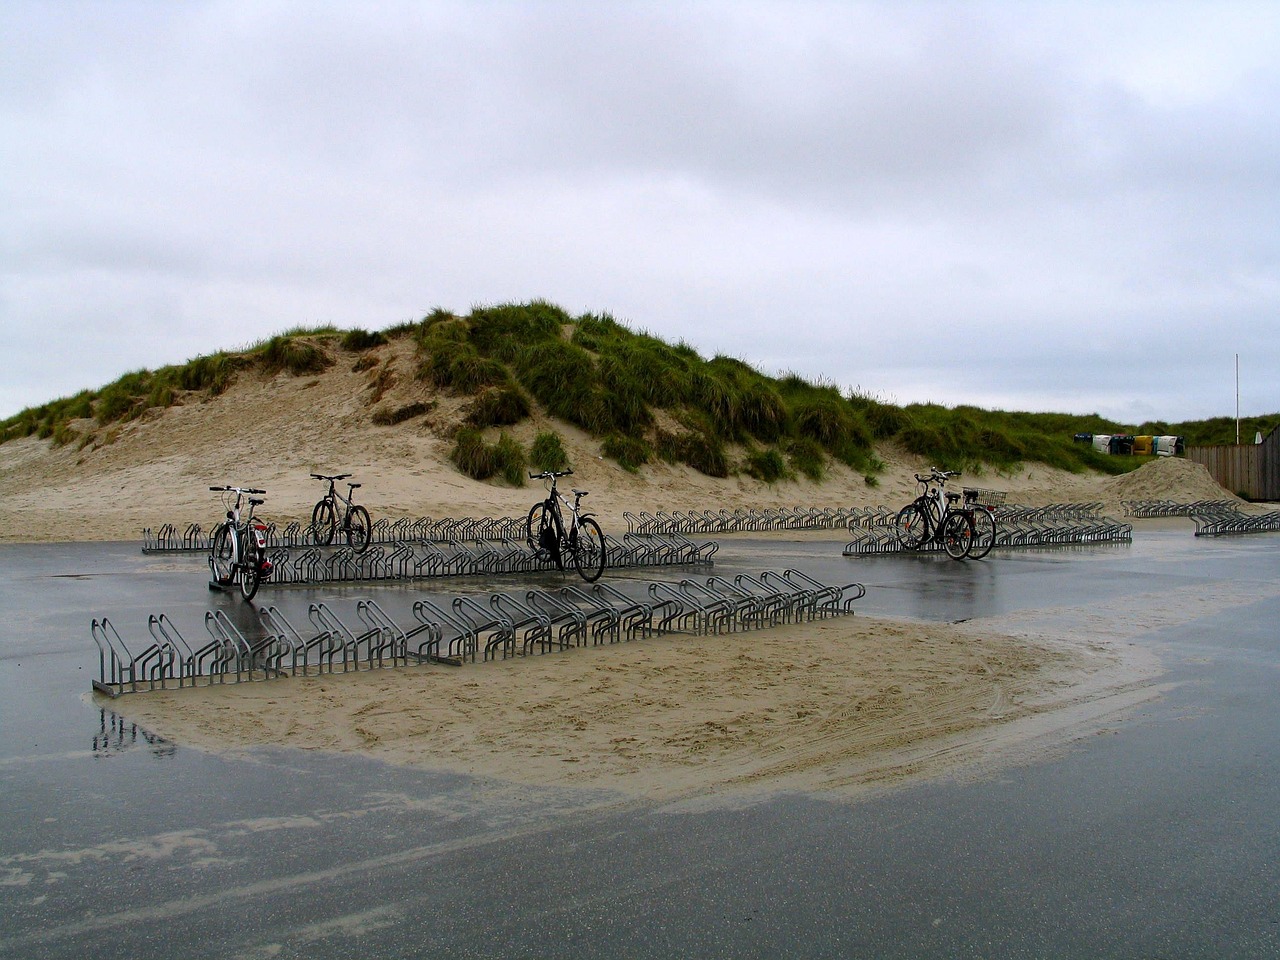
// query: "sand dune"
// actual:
[[272, 431], [837, 705]]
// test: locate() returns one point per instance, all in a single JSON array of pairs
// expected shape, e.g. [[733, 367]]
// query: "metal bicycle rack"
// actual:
[[423, 548], [1212, 518], [1057, 524], [168, 540], [297, 534], [1151, 509], [465, 628], [741, 520], [1235, 522], [428, 559]]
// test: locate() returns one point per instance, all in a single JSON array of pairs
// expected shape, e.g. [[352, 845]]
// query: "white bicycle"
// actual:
[[238, 550]]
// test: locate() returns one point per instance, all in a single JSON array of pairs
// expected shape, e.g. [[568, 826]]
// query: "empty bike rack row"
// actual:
[[1057, 524], [741, 520], [1235, 522], [465, 628], [1151, 509], [295, 534], [1212, 518], [430, 559], [169, 540]]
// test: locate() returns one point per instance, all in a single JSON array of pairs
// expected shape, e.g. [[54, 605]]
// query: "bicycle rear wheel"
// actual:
[[911, 526], [222, 555], [357, 527], [588, 549], [984, 533], [324, 521], [957, 536]]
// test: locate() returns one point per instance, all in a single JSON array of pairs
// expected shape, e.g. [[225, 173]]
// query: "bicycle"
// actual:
[[933, 517], [980, 505], [356, 525], [547, 535], [238, 549]]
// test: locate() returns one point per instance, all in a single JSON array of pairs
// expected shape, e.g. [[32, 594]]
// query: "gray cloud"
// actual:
[[1031, 206]]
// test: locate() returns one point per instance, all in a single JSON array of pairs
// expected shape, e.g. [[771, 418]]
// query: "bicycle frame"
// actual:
[[934, 506], [556, 503], [334, 497], [242, 524]]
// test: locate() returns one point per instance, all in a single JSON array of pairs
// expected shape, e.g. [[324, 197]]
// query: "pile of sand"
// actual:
[[837, 705], [1169, 478]]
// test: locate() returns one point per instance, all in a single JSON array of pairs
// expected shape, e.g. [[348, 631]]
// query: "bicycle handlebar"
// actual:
[[236, 490], [341, 476], [548, 474], [937, 474]]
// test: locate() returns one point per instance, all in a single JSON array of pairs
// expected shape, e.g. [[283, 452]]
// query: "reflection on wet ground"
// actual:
[[1158, 838], [117, 734]]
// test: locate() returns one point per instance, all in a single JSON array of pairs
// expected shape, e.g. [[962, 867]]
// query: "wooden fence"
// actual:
[[1250, 470]]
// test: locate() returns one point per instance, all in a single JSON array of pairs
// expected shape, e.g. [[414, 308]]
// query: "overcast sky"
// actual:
[[1037, 206]]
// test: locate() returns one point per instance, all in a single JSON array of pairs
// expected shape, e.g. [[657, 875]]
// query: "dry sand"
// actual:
[[838, 705]]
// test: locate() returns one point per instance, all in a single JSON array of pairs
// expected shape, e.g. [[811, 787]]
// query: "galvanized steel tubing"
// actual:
[[464, 628]]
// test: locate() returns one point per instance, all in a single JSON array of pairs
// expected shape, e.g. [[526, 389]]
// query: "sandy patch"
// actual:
[[839, 706], [835, 705]]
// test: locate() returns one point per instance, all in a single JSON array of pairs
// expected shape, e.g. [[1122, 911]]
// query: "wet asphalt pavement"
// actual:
[[1158, 838]]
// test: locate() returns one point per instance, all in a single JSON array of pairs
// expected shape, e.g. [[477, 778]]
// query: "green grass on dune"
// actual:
[[644, 399]]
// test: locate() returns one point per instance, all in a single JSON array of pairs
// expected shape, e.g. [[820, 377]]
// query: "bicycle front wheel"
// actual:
[[911, 527], [324, 520], [536, 526], [250, 575], [250, 564], [984, 533], [222, 555], [588, 549], [957, 536], [358, 526]]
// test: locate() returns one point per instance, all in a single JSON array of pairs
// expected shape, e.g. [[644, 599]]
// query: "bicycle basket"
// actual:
[[988, 498]]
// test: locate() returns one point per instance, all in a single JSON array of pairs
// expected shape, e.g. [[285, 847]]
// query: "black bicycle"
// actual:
[[933, 516], [355, 526], [238, 550], [548, 536]]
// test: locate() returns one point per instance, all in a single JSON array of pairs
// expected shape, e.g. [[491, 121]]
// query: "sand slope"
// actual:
[[272, 431]]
